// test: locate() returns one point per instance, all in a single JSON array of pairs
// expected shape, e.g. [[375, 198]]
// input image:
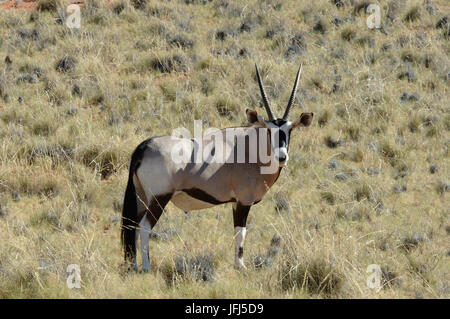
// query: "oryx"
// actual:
[[155, 178]]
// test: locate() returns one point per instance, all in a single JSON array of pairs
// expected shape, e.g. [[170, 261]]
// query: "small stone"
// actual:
[[413, 97], [3, 212], [221, 35], [76, 90], [434, 168], [262, 261], [72, 111], [271, 32], [341, 177], [333, 164], [46, 265], [275, 241], [372, 171], [66, 64], [401, 174], [273, 251], [335, 88], [246, 26], [430, 120], [281, 204], [16, 196], [380, 206], [244, 52], [373, 146], [319, 27], [27, 78], [396, 189], [338, 21], [445, 187], [52, 218], [338, 3], [417, 238], [333, 143], [409, 75], [429, 6], [406, 97]]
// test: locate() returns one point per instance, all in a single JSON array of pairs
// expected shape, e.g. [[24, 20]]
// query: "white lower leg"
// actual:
[[239, 235], [144, 231], [134, 265]]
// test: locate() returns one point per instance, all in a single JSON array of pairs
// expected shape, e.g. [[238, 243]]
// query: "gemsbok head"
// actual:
[[234, 165]]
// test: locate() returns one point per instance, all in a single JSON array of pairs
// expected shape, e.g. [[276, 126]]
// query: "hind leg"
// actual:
[[148, 221], [240, 213]]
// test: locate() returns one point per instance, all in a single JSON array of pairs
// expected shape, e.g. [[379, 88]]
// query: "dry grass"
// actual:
[[358, 189]]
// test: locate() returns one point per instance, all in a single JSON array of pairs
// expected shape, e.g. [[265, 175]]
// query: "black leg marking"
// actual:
[[241, 252], [156, 208], [204, 196], [240, 215]]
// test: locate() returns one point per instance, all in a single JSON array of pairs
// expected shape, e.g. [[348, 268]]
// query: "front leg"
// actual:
[[240, 213]]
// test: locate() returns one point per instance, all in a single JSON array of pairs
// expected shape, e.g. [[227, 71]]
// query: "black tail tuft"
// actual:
[[129, 212]]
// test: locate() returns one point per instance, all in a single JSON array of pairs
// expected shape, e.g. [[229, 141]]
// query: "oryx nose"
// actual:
[[281, 155]]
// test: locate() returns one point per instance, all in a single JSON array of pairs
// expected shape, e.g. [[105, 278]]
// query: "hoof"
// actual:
[[127, 267], [240, 266], [133, 268]]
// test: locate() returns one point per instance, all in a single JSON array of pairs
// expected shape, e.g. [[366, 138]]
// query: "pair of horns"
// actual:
[[291, 99]]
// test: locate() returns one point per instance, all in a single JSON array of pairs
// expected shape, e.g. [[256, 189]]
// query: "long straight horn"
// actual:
[[294, 91], [264, 96]]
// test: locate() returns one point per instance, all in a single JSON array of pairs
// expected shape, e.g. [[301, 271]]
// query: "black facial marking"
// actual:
[[279, 122], [280, 135], [281, 138]]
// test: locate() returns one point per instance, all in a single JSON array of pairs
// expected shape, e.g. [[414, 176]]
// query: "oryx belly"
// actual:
[[188, 203]]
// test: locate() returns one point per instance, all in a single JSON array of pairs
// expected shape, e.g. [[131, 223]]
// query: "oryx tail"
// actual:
[[130, 208]]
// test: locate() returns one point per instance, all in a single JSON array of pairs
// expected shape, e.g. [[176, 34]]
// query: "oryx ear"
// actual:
[[255, 119], [304, 120], [252, 116]]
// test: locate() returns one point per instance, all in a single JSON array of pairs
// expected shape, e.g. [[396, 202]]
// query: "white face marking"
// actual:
[[239, 235], [144, 231], [280, 153]]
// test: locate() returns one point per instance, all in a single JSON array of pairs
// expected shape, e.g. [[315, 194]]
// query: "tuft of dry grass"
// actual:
[[316, 277]]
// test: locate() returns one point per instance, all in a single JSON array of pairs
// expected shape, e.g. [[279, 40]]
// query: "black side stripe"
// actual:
[[205, 197]]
